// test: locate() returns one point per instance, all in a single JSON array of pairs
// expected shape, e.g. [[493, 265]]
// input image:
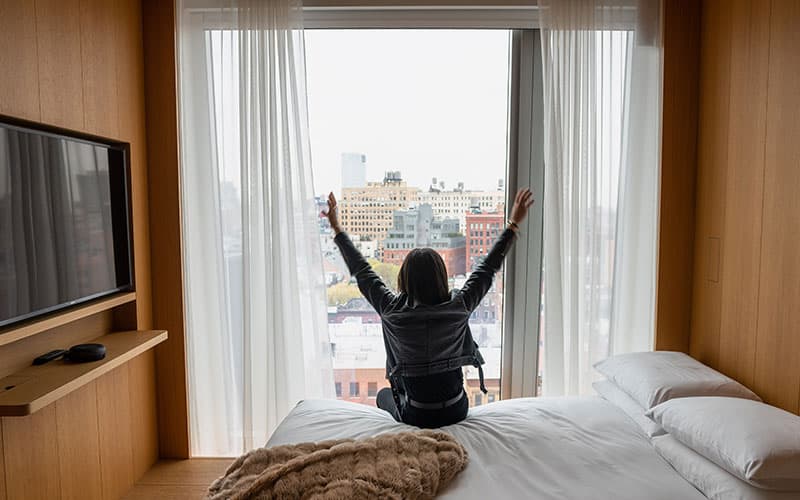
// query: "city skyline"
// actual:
[[355, 328], [456, 183]]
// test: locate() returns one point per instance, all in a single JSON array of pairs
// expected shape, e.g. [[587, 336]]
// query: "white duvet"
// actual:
[[537, 448]]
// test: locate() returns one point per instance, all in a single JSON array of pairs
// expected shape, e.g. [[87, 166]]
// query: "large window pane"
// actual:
[[409, 130]]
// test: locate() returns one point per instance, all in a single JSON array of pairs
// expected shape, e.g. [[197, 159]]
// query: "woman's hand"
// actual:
[[332, 214], [522, 203]]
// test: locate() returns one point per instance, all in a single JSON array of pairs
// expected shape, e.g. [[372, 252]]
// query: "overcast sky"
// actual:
[[425, 102]]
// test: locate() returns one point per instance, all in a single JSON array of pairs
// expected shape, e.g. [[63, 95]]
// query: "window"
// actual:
[[478, 399], [490, 397], [396, 97], [352, 108]]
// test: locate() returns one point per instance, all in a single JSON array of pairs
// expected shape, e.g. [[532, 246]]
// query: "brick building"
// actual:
[[359, 385], [482, 229]]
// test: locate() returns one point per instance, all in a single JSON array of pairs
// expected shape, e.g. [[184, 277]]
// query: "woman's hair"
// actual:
[[423, 277]]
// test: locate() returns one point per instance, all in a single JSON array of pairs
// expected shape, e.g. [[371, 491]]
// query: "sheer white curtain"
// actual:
[[602, 111], [257, 332]]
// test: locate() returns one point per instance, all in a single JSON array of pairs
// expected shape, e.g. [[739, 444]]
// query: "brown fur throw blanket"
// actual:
[[406, 465]]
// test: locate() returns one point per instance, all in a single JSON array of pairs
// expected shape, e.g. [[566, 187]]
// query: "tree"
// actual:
[[387, 271], [341, 293]]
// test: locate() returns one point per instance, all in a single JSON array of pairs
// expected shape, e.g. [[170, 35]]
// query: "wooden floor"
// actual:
[[178, 479]]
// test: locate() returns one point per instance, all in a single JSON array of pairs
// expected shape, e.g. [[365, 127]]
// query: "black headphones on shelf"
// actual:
[[81, 353]]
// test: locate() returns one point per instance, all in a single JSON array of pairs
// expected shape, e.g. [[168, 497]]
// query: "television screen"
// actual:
[[64, 236]]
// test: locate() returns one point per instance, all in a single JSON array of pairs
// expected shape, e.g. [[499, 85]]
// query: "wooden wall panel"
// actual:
[[78, 64], [114, 423], [99, 64], [144, 417], [741, 239], [92, 431], [777, 350], [131, 105], [678, 171], [130, 75], [60, 70], [30, 446], [165, 224], [712, 156], [748, 179], [19, 88], [78, 444]]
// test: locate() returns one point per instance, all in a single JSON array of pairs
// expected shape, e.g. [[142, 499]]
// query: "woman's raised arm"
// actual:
[[369, 283], [480, 280]]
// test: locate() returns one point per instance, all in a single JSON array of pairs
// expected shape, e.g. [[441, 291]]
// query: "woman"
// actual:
[[426, 327]]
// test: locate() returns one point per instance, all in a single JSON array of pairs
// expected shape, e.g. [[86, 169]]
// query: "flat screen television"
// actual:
[[64, 222]]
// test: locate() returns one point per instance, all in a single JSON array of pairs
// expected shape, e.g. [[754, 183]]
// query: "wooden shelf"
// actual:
[[35, 387], [19, 332]]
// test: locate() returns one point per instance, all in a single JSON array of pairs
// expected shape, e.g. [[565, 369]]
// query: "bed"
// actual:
[[540, 448]]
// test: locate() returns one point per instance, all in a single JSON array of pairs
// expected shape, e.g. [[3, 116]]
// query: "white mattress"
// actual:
[[559, 448]]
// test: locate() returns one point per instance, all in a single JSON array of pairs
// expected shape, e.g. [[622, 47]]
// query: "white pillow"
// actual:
[[755, 442], [618, 397], [651, 378], [712, 481]]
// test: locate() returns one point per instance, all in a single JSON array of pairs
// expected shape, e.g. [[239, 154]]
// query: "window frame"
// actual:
[[421, 17], [506, 17], [523, 287], [525, 166]]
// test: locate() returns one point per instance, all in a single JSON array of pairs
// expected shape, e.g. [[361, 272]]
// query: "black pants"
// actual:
[[427, 419]]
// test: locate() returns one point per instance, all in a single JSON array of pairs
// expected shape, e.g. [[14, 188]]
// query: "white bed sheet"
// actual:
[[536, 448]]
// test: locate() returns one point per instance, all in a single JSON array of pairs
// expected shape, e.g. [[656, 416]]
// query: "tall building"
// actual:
[[367, 210], [482, 228], [354, 170], [417, 227], [410, 228], [458, 202]]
